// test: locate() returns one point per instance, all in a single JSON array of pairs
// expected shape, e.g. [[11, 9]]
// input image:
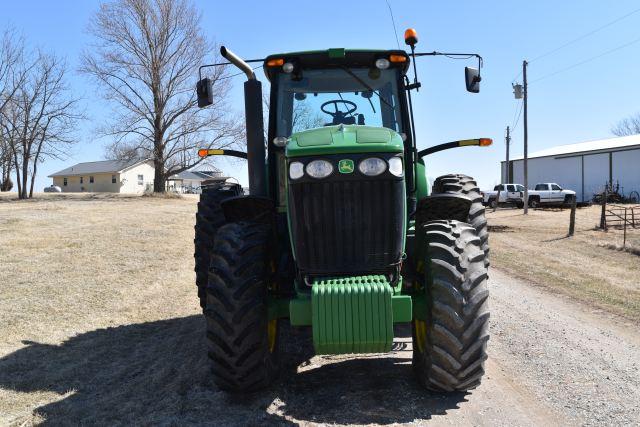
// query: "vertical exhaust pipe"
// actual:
[[254, 125]]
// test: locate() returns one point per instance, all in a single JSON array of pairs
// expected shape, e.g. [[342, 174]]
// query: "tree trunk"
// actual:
[[158, 178], [33, 177], [15, 158], [25, 176]]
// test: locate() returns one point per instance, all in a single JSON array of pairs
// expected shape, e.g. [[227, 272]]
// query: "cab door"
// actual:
[[556, 193]]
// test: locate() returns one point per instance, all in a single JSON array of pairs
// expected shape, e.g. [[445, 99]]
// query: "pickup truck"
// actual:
[[509, 193], [550, 193]]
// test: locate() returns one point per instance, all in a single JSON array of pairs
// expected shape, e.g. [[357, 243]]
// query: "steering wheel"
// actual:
[[351, 107]]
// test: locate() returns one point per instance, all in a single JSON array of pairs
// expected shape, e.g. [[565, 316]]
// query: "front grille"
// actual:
[[347, 225]]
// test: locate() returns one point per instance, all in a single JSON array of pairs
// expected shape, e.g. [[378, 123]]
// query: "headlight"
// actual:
[[319, 168], [296, 170], [395, 166], [372, 166]]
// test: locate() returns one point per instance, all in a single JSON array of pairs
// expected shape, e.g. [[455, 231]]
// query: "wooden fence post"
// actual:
[[603, 215], [572, 218], [624, 239]]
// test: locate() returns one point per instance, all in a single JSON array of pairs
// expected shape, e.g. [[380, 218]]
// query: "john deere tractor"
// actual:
[[339, 231]]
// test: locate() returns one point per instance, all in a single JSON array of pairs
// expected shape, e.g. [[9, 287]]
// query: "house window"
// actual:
[[81, 180], [90, 180], [64, 181], [140, 179], [113, 179]]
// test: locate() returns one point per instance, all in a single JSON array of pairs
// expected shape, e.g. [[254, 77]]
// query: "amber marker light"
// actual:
[[485, 142], [203, 152], [410, 36], [277, 62], [397, 58]]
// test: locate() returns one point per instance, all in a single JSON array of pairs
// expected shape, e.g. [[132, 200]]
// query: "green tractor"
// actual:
[[339, 231]]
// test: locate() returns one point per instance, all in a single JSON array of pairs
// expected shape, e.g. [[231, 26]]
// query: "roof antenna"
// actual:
[[393, 21]]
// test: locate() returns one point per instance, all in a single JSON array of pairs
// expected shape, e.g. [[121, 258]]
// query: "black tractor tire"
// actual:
[[209, 218], [242, 342], [463, 184], [449, 355]]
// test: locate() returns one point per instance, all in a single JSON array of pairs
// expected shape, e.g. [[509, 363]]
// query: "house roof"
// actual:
[[609, 144], [198, 175], [103, 166]]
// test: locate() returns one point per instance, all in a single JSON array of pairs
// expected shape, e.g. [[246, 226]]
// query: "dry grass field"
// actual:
[[100, 323], [583, 266]]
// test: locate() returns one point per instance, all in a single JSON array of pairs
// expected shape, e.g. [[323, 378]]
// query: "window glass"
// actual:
[[64, 181], [140, 179], [91, 180], [82, 180], [345, 95], [540, 187], [511, 188], [520, 187], [555, 187], [113, 179]]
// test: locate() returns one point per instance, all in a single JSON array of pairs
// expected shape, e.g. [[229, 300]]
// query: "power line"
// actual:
[[585, 35], [393, 21], [577, 64], [515, 122]]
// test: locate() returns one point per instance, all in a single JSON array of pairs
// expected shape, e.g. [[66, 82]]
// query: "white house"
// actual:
[[584, 167], [111, 176], [191, 181]]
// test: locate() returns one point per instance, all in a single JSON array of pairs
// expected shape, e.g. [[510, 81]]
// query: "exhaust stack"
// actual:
[[254, 125]]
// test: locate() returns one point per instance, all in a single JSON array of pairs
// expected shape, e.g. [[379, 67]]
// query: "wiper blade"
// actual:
[[363, 83]]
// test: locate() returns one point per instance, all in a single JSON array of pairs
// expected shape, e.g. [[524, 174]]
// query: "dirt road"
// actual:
[[99, 324]]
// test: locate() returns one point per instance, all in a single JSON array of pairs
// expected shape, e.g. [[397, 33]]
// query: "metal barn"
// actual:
[[584, 167]]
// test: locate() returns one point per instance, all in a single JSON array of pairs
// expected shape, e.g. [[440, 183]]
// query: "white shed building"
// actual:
[[585, 167]]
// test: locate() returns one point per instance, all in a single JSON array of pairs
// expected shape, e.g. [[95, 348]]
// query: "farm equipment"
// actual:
[[339, 231]]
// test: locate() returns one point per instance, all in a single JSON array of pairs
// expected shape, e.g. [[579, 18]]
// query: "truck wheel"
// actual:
[[458, 183], [242, 341], [534, 203], [519, 205], [450, 336], [208, 218]]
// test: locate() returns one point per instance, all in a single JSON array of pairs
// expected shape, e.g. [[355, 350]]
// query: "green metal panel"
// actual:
[[352, 315], [344, 139], [422, 186]]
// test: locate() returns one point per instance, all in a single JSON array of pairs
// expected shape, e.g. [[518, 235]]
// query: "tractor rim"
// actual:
[[272, 328], [421, 334]]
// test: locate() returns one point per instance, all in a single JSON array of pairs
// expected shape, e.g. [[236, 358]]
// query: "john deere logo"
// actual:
[[345, 166]]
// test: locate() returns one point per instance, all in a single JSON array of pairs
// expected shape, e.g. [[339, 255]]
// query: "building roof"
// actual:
[[103, 166], [197, 175], [609, 144]]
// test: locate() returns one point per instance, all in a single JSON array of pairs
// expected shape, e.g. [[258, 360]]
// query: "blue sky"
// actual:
[[573, 106]]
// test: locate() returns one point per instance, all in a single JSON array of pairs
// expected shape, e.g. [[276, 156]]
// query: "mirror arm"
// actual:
[[482, 142]]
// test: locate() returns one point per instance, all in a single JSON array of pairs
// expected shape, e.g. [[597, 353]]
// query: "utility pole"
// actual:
[[506, 172], [526, 140]]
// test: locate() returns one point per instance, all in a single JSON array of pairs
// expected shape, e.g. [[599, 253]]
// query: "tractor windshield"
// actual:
[[327, 97]]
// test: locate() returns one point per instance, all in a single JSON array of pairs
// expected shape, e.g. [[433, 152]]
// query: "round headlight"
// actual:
[[372, 166], [395, 166], [287, 67], [382, 63], [319, 168], [296, 170]]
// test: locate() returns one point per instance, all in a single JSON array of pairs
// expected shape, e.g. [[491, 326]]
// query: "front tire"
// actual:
[[242, 340], [450, 337], [466, 185], [534, 203]]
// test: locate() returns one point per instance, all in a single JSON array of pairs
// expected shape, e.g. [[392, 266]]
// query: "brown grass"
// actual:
[[584, 266]]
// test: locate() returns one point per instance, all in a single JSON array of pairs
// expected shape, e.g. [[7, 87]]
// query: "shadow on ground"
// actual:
[[158, 372]]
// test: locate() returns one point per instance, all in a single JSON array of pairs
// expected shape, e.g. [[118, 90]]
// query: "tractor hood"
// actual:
[[344, 139]]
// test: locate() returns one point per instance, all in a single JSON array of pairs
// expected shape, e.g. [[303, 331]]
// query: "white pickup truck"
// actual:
[[509, 193], [550, 193]]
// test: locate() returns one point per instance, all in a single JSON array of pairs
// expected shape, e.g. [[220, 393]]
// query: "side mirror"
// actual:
[[204, 89], [472, 79]]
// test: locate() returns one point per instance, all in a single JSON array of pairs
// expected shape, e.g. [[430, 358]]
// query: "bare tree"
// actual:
[[11, 77], [627, 126], [145, 59], [39, 121]]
